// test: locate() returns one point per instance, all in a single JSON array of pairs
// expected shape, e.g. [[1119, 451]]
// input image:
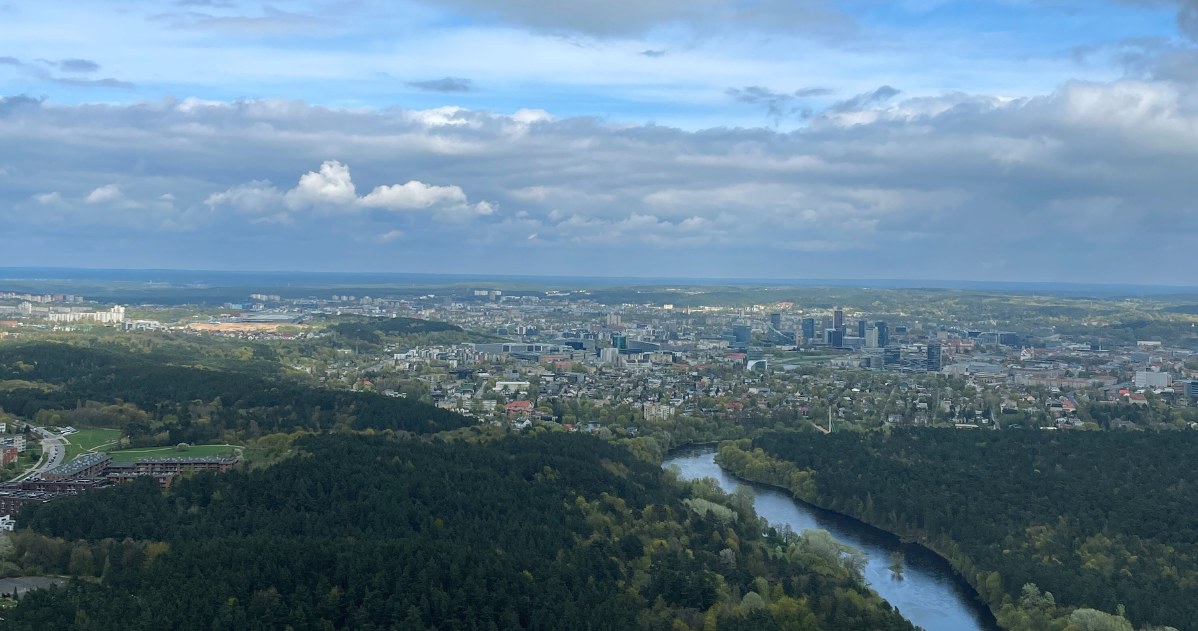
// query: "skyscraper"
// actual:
[[883, 333], [838, 319], [861, 326], [934, 358], [619, 341], [776, 321], [835, 338], [809, 329]]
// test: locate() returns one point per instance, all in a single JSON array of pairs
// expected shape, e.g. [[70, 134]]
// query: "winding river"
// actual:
[[929, 594]]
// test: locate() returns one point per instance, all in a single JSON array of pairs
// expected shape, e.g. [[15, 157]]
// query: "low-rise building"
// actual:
[[84, 466]]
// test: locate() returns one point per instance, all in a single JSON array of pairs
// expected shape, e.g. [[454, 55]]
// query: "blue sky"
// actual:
[[988, 139]]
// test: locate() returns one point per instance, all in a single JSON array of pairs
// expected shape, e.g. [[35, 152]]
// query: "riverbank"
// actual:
[[929, 594], [743, 474]]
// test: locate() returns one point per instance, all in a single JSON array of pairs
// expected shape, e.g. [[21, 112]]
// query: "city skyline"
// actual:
[[989, 141]]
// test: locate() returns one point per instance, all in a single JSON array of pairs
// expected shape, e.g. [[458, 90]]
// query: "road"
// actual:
[[54, 451]]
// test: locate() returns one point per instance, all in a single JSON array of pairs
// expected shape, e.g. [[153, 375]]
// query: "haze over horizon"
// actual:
[[996, 140]]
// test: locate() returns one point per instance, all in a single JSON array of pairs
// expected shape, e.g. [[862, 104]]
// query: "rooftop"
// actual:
[[80, 463]]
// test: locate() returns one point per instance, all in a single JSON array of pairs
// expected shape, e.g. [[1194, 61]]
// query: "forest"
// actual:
[[548, 532], [1040, 523], [160, 403]]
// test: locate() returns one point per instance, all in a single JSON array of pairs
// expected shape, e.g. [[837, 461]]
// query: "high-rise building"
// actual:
[[838, 319], [619, 341], [871, 338], [934, 357], [825, 324], [883, 333], [776, 321], [809, 329], [609, 356], [1192, 390], [742, 334], [834, 337], [861, 326]]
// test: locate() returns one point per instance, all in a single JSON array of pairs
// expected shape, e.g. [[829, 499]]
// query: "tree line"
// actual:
[[1040, 523], [157, 403]]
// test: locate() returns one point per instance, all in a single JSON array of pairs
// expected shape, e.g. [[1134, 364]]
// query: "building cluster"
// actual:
[[66, 314], [770, 359], [41, 298], [93, 471]]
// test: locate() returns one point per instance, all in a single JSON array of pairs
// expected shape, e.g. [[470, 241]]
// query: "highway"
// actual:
[[54, 451]]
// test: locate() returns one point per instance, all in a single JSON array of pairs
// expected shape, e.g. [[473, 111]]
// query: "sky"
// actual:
[[1008, 140]]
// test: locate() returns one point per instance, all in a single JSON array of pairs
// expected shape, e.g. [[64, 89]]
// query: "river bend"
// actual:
[[929, 594]]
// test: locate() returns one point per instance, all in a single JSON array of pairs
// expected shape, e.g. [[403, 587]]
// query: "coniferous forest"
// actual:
[[354, 532], [1040, 523], [155, 402]]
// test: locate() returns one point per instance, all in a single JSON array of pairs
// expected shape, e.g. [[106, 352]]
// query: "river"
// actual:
[[929, 594]]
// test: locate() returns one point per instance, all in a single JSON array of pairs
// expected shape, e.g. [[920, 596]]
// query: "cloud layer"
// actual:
[[1092, 182]]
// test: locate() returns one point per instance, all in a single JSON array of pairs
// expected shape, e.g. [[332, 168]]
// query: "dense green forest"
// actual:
[[548, 532], [158, 403], [1040, 523]]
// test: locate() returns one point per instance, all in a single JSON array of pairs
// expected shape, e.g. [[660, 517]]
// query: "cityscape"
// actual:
[[655, 369], [524, 315]]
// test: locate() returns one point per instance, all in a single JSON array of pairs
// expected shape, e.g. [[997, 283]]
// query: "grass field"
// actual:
[[90, 438], [129, 455]]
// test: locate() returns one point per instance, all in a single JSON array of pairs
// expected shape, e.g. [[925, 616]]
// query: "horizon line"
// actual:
[[641, 279]]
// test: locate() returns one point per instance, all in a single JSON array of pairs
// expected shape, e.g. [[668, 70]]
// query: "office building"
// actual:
[[776, 321], [862, 325], [619, 341], [834, 337], [883, 333], [838, 319], [809, 328], [935, 362], [742, 335], [852, 342], [1152, 379], [891, 356]]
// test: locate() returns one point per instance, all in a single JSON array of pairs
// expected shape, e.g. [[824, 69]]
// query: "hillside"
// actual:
[[550, 532]]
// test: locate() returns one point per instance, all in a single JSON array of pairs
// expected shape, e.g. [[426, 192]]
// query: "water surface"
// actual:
[[929, 594]]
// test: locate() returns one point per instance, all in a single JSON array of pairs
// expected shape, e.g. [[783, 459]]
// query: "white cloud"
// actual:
[[413, 195], [48, 198], [105, 194], [332, 189]]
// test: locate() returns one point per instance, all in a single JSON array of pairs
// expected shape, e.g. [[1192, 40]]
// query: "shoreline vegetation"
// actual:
[[1031, 610], [733, 467]]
